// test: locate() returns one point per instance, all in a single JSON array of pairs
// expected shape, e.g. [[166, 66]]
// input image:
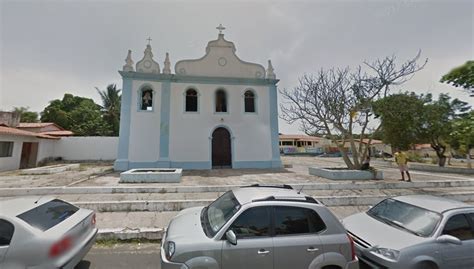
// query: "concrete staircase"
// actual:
[[126, 212]]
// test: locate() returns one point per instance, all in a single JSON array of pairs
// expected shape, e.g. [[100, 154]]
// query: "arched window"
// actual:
[[146, 99], [249, 101], [221, 101], [191, 100]]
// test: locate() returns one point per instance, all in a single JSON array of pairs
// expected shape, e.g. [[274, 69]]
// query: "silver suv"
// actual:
[[265, 227]]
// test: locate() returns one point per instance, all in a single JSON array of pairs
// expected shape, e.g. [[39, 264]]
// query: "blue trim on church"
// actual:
[[276, 161], [196, 79], [165, 121], [121, 164], [163, 160]]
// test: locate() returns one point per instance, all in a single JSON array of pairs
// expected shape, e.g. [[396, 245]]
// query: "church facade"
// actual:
[[213, 112]]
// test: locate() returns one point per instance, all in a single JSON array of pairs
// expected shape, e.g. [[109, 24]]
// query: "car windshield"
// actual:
[[219, 212], [49, 214], [410, 218]]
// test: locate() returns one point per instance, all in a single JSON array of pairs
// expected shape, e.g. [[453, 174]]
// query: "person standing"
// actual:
[[402, 160]]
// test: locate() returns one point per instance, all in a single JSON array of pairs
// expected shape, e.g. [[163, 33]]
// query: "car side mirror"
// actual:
[[446, 238], [231, 237]]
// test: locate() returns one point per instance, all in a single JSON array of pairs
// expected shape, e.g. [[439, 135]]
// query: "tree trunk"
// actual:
[[440, 150], [468, 157], [442, 161]]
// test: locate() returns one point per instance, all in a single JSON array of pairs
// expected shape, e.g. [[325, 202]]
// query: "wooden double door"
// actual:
[[221, 148]]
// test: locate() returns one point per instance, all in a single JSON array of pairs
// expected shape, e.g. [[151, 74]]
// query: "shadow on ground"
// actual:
[[83, 265]]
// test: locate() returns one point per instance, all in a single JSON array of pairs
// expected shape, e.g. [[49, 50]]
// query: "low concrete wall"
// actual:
[[86, 148], [435, 168], [337, 174], [51, 169], [152, 175], [45, 150]]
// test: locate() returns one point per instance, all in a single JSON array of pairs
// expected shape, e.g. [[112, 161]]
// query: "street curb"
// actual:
[[130, 233], [349, 185], [134, 206], [177, 205]]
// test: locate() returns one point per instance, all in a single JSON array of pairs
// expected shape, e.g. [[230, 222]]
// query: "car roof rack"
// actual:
[[307, 199], [284, 186]]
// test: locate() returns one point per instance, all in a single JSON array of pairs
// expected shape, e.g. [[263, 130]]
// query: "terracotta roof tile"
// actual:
[[58, 133], [34, 124], [17, 132]]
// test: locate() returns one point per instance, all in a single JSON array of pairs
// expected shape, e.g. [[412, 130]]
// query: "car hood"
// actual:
[[186, 227], [377, 233]]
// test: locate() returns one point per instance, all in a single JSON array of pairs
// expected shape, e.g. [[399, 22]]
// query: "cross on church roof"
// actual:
[[149, 40], [220, 28]]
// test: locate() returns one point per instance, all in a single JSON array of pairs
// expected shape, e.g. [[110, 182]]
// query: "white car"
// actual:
[[414, 232], [40, 232]]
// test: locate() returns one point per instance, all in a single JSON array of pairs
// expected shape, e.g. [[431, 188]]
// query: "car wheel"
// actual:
[[331, 267], [426, 265]]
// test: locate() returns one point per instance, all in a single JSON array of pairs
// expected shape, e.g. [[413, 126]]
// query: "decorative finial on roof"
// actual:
[[128, 67], [149, 40], [147, 64], [270, 73], [220, 28], [167, 67]]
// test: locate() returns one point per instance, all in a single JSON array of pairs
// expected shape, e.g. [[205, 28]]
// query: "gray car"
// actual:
[[265, 227], [416, 231], [44, 233]]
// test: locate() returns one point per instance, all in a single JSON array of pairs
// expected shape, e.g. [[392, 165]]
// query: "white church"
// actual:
[[213, 112]]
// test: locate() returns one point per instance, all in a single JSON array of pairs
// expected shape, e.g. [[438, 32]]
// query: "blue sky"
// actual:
[[49, 48]]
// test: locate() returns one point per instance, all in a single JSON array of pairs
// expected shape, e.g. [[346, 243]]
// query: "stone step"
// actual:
[[175, 202], [191, 196], [151, 188]]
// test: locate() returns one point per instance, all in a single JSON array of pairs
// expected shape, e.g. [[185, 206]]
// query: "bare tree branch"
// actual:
[[336, 103]]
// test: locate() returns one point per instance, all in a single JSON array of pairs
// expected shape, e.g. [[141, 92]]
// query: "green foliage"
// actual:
[[462, 133], [408, 119], [438, 117], [26, 116], [461, 76], [414, 157], [401, 117], [78, 114], [111, 107]]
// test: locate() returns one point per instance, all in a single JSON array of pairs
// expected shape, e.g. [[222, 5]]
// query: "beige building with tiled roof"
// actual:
[[25, 145]]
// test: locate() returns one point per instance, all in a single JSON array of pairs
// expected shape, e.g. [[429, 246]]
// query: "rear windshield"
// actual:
[[49, 214]]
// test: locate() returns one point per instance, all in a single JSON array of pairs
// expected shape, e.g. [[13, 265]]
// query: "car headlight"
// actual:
[[390, 254], [170, 248]]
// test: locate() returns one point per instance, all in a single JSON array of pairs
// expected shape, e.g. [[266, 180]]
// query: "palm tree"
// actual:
[[111, 106]]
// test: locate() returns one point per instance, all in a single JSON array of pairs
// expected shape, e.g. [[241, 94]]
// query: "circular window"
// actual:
[[147, 64], [222, 61]]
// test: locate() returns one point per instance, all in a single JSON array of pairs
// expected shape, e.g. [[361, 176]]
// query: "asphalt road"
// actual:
[[125, 256], [122, 256]]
